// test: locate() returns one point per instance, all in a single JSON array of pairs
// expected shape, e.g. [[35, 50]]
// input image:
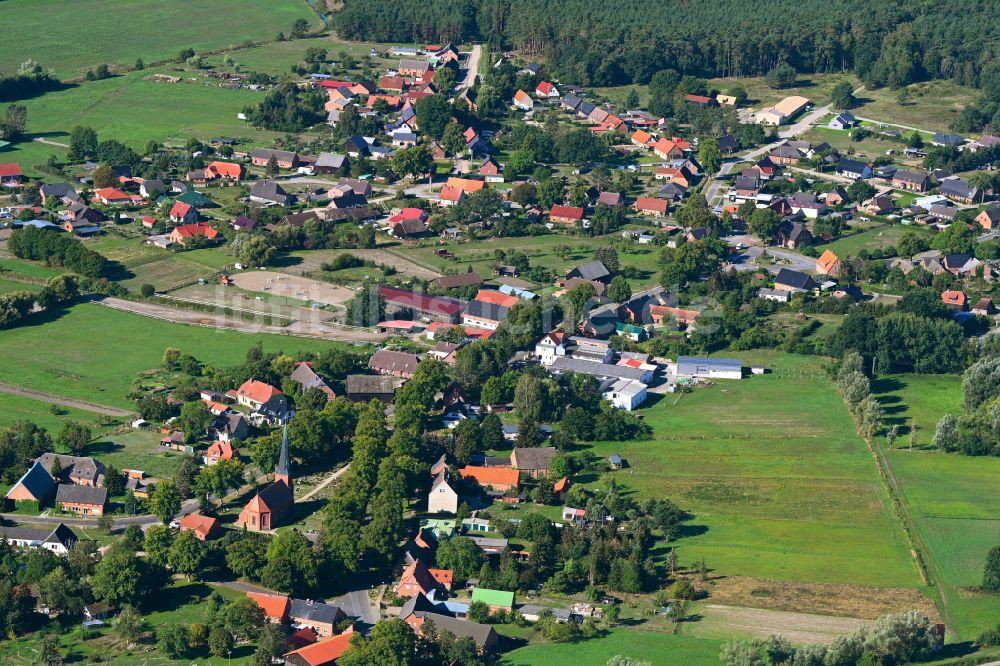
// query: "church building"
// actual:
[[273, 505]]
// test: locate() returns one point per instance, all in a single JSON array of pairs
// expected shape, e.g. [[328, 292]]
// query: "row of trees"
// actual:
[[58, 250], [887, 44]]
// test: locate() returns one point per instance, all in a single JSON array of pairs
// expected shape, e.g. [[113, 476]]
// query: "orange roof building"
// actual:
[[498, 478], [225, 170], [323, 653], [418, 578], [182, 212], [186, 232], [219, 451], [953, 299], [562, 485], [275, 606], [667, 149], [496, 298], [204, 527], [657, 207], [467, 185], [641, 138], [828, 263], [253, 393]]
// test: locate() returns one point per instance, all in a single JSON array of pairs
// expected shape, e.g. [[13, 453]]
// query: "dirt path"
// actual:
[[50, 142], [472, 68], [327, 481], [64, 402], [799, 628], [302, 329]]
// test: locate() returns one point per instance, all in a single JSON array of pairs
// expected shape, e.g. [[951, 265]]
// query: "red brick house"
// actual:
[[651, 206], [568, 215], [185, 232], [225, 171], [418, 578], [205, 528]]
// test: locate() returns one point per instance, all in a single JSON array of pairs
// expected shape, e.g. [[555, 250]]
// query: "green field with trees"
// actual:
[[118, 32]]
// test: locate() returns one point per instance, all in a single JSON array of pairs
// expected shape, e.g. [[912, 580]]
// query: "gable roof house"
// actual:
[[651, 206], [316, 615], [567, 215], [83, 500], [321, 653], [307, 378], [534, 461], [853, 169], [989, 218], [523, 101], [828, 263], [78, 470], [205, 528], [286, 159], [912, 181], [186, 232], [418, 578], [442, 497], [269, 193], [59, 540], [793, 281], [843, 120], [498, 478], [35, 485], [255, 394], [785, 154], [364, 388], [394, 363], [592, 270], [954, 299], [484, 314], [959, 189]]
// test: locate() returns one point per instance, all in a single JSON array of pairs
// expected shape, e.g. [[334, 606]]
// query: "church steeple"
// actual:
[[283, 470]]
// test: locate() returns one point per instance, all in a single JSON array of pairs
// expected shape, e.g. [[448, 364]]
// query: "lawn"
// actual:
[[655, 648], [15, 408], [7, 286], [32, 154], [134, 110], [136, 449], [94, 353], [954, 499], [873, 239], [933, 105], [816, 87], [277, 58], [119, 31], [780, 485], [27, 268]]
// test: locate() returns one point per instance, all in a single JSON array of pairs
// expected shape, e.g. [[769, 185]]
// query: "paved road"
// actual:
[[83, 405], [300, 328], [712, 189], [189, 506], [471, 68]]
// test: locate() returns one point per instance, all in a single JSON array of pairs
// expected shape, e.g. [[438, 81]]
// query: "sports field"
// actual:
[[70, 39], [780, 485], [954, 499], [94, 353]]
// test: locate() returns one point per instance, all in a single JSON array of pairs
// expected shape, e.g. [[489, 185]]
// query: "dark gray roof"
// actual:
[[279, 155], [37, 480], [75, 467], [571, 101], [316, 611], [81, 494], [585, 108], [485, 310], [356, 144], [910, 176], [851, 166], [603, 370], [948, 139], [787, 151], [483, 634], [269, 191], [958, 187], [794, 279], [592, 270], [57, 189], [60, 534], [535, 458], [420, 605]]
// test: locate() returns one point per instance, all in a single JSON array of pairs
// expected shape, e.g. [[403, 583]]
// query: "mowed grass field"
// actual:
[[277, 58], [932, 106], [14, 408], [780, 485], [873, 239], [94, 353], [134, 110], [954, 499], [654, 648], [70, 39]]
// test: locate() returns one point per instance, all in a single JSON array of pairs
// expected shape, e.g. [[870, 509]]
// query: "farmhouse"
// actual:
[[269, 193], [60, 540], [78, 470], [254, 394], [84, 500], [484, 314], [828, 263], [394, 363], [794, 281], [419, 579], [912, 181], [567, 215], [286, 159], [497, 478], [651, 206], [533, 461], [187, 232], [35, 485]]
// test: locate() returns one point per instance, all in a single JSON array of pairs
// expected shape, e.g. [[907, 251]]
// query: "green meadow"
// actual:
[[94, 353], [133, 110], [954, 499], [655, 648], [69, 39], [15, 408], [780, 485]]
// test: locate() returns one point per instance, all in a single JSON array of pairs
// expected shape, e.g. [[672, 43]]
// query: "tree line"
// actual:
[[610, 43]]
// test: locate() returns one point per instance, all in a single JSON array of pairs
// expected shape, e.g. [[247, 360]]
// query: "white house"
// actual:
[[550, 346], [625, 394], [709, 368], [58, 540], [442, 498]]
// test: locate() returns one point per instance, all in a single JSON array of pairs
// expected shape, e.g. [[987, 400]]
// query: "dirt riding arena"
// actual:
[[292, 286]]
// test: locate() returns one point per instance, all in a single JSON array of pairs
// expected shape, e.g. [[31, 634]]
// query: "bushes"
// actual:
[[59, 250]]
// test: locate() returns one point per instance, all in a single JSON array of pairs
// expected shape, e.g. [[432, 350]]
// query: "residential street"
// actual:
[[471, 68]]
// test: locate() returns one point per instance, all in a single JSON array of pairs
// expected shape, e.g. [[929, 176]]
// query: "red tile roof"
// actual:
[[496, 298], [420, 301], [490, 476], [227, 169], [275, 606], [180, 210], [544, 88], [326, 651], [257, 391], [197, 229], [110, 194], [8, 170], [649, 204], [566, 212], [201, 525]]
